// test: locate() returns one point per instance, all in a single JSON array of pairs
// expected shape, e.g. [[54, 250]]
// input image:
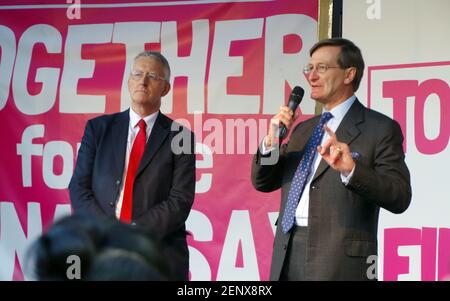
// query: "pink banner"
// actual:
[[233, 65]]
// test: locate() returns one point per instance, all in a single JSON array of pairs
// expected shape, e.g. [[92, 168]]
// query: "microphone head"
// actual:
[[296, 97], [298, 91], [294, 100]]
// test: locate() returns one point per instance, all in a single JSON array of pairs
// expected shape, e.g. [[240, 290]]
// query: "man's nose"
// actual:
[[143, 80], [313, 74]]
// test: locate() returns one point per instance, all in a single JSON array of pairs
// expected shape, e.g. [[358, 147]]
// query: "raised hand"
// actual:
[[337, 154]]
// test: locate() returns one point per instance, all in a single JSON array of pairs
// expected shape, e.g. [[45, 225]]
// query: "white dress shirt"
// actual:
[[133, 129], [301, 214]]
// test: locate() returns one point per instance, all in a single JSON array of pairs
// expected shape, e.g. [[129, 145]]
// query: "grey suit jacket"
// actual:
[[342, 220]]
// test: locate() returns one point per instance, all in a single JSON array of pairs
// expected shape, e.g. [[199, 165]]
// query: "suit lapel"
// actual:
[[346, 132], [160, 131], [120, 133]]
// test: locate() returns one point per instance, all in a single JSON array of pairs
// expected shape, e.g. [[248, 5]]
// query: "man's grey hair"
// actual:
[[160, 58]]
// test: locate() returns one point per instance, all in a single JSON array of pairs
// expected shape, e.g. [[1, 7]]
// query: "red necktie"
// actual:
[[135, 157]]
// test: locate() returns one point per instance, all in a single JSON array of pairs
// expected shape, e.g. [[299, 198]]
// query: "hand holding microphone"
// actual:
[[284, 119], [294, 100]]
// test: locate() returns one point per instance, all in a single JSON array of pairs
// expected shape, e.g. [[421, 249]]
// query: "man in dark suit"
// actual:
[[327, 231], [149, 184]]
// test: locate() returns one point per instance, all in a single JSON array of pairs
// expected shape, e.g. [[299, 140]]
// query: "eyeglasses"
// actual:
[[138, 75], [320, 68]]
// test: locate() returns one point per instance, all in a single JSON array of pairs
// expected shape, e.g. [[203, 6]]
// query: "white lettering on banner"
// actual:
[[197, 67], [76, 68], [65, 151], [44, 101], [8, 51], [201, 229], [134, 35], [239, 232], [26, 149], [13, 240], [62, 210], [205, 182], [223, 66], [279, 66], [193, 66]]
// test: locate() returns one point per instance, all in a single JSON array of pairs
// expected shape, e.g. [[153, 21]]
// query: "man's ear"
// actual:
[[350, 74], [166, 89]]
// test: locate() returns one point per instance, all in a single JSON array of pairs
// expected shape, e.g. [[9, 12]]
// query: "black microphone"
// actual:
[[294, 100]]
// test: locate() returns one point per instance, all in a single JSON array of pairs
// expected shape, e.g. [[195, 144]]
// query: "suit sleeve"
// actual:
[[387, 182], [267, 170], [170, 215], [80, 186]]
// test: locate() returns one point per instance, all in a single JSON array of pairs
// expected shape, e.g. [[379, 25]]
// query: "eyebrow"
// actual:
[[150, 72]]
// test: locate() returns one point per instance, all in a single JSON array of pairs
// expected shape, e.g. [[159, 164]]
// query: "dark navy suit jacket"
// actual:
[[164, 187]]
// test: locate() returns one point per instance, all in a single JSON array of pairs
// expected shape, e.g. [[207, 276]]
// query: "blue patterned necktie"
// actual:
[[301, 174]]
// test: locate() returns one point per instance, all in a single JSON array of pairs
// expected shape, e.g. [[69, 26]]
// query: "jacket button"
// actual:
[[111, 204], [285, 247], [117, 182], [313, 187]]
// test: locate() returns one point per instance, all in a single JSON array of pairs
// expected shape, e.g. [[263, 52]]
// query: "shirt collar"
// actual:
[[149, 119], [340, 110]]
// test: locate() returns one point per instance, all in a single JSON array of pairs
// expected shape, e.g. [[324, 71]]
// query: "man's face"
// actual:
[[145, 90], [327, 87]]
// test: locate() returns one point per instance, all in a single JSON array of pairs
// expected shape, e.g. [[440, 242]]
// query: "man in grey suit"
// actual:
[[357, 168]]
